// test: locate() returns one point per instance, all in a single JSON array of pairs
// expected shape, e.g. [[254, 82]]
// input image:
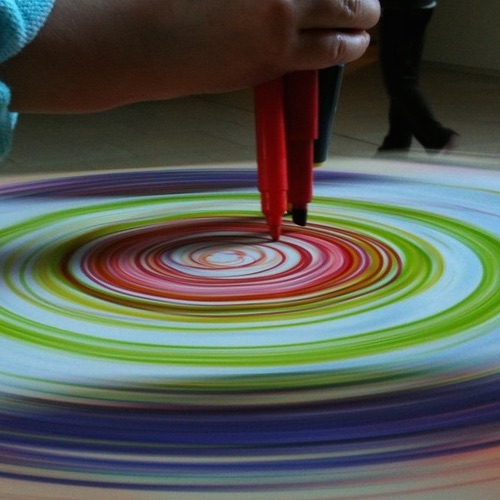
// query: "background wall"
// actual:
[[466, 33]]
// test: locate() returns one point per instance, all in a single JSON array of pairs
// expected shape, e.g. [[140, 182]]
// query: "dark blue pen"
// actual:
[[329, 81]]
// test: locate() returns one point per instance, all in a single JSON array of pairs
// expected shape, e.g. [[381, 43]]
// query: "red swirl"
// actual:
[[231, 261]]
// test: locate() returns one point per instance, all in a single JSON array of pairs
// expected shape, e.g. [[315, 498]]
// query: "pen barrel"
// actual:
[[300, 169], [329, 84], [301, 121], [271, 149], [301, 105]]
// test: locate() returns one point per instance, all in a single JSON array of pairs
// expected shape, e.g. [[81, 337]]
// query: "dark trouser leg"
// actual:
[[402, 35]]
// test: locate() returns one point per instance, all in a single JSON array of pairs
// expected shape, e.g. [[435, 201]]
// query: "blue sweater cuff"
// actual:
[[7, 121], [20, 21]]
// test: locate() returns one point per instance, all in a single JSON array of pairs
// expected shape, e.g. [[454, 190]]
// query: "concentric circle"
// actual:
[[154, 309], [231, 261], [107, 269]]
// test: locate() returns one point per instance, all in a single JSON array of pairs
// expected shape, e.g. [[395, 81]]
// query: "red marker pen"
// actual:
[[271, 152], [301, 123]]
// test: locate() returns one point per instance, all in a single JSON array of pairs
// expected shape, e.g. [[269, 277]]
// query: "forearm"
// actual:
[[80, 59]]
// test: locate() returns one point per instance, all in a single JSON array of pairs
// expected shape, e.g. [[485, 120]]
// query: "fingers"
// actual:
[[339, 14], [333, 31], [319, 49]]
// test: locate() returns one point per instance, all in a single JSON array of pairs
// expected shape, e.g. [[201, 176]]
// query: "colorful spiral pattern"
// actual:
[[154, 339]]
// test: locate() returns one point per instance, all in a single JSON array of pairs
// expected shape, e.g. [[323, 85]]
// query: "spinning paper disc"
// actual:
[[155, 341]]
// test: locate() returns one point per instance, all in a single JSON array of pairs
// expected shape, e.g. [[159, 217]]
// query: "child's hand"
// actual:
[[96, 54], [222, 44]]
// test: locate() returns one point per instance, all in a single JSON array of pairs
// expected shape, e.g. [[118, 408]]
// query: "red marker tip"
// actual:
[[275, 232]]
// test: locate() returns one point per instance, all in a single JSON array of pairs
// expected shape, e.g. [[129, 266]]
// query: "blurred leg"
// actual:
[[402, 36]]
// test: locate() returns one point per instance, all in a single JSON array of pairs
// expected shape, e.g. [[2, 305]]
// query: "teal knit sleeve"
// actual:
[[20, 21]]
